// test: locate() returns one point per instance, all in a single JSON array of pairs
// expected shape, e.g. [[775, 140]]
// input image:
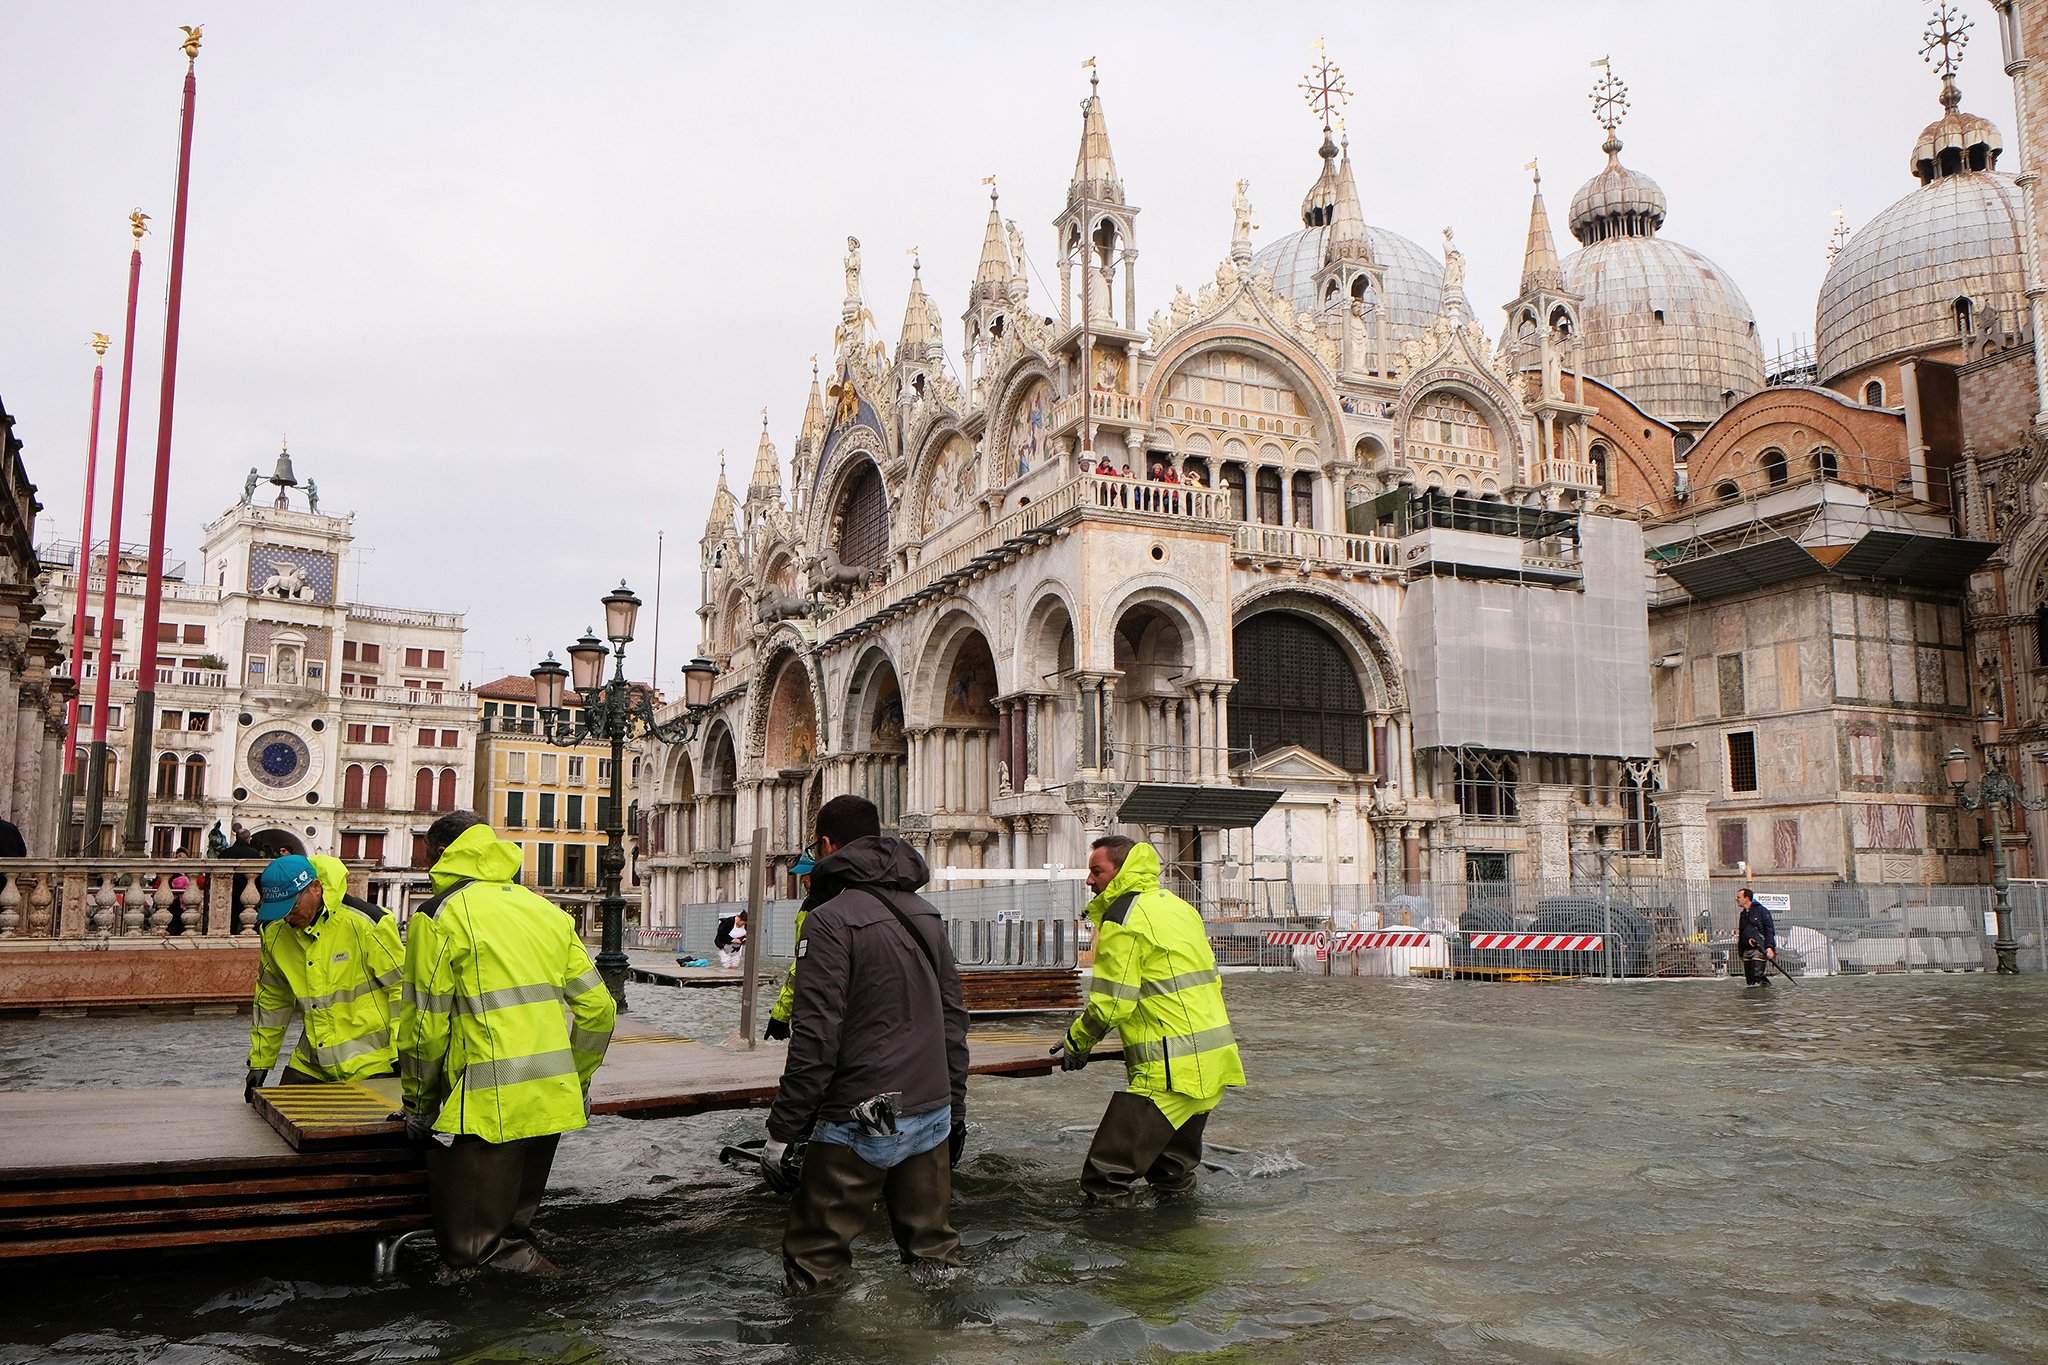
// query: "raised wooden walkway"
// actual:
[[112, 1169]]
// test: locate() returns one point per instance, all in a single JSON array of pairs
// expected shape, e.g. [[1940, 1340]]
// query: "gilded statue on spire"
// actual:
[[138, 223], [191, 43], [100, 342]]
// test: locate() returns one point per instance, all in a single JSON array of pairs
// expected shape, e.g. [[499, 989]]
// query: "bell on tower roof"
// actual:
[[1540, 270], [283, 476], [1095, 174]]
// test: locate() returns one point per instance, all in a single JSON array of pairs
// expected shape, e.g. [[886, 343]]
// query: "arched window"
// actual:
[[1487, 786], [195, 778], [423, 789], [863, 519], [1727, 492], [113, 770], [1269, 496], [446, 791], [1964, 310], [1305, 499], [1873, 393], [1233, 479], [1773, 462], [380, 786], [1295, 685], [167, 777], [1598, 459], [1826, 463], [352, 787]]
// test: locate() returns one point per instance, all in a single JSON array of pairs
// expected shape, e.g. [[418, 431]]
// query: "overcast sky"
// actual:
[[510, 275]]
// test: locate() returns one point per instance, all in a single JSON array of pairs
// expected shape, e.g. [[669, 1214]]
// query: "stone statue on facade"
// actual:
[[1016, 246], [1454, 266], [1241, 224], [249, 484], [853, 267]]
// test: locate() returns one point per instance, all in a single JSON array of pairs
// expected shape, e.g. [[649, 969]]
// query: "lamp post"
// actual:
[[613, 712], [1995, 790]]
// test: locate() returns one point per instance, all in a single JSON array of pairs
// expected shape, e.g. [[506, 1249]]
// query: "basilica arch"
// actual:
[[876, 746], [1317, 671]]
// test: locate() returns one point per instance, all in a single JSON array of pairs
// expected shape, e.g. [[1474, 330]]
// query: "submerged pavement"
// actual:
[[1852, 1169]]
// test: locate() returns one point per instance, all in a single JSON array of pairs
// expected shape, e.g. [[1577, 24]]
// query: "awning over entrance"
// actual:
[[1185, 805]]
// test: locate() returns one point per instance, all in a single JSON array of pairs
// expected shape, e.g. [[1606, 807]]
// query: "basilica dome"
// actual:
[[1661, 322], [1918, 276], [1415, 279]]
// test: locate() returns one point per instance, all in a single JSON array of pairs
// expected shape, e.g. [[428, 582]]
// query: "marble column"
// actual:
[[1221, 708], [29, 745], [1204, 768], [12, 657]]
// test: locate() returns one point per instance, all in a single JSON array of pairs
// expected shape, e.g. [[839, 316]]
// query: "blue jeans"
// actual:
[[913, 1137]]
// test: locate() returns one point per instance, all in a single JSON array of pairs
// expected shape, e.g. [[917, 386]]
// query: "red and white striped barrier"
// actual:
[[1535, 943], [1297, 938], [1383, 938]]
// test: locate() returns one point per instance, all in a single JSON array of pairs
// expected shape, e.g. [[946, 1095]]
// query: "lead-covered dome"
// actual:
[[1919, 276], [1415, 279], [1662, 323]]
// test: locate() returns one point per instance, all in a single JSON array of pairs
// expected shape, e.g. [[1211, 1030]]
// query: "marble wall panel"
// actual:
[[1848, 673]]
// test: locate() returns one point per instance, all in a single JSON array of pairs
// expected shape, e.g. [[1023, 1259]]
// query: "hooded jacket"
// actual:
[[486, 1046], [877, 1010], [342, 973], [1156, 984]]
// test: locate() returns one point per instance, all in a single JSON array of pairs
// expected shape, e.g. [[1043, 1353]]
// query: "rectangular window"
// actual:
[[573, 859], [604, 812], [575, 813], [547, 810], [198, 722], [424, 740], [1742, 761], [371, 654], [171, 720], [575, 770], [437, 658], [85, 713], [167, 632], [195, 635], [348, 651], [515, 766], [351, 847], [604, 772], [515, 810], [547, 865], [256, 664], [433, 684], [449, 739], [412, 683], [549, 769], [413, 656], [358, 734], [419, 852], [113, 717], [380, 734]]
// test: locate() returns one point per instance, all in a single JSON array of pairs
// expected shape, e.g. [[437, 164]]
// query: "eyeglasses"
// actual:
[[810, 850]]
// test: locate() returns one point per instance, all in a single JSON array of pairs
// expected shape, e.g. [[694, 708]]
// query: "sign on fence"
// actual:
[[1383, 938], [1536, 943]]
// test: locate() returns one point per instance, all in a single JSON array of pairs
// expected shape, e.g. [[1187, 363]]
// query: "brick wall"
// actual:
[[1996, 396]]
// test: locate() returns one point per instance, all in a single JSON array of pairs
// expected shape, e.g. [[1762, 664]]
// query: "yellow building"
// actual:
[[553, 802]]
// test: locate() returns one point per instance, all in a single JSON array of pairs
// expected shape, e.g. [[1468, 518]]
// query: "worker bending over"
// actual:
[[1156, 984], [487, 1050], [332, 958]]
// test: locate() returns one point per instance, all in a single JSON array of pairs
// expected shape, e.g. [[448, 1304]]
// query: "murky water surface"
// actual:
[[1851, 1170]]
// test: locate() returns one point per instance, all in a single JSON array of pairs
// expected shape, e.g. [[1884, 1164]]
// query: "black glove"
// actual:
[[778, 1030], [418, 1127], [956, 1142], [782, 1164], [1070, 1060], [250, 1083]]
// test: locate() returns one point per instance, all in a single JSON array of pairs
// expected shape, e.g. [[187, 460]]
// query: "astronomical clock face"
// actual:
[[281, 761]]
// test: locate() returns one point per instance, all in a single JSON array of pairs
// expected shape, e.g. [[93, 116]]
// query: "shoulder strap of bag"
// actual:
[[931, 959]]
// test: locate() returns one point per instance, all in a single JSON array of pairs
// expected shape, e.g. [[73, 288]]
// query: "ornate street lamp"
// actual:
[[613, 712], [1995, 792]]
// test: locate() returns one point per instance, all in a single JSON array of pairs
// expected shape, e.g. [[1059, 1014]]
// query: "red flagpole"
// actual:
[[96, 775], [82, 572], [144, 717]]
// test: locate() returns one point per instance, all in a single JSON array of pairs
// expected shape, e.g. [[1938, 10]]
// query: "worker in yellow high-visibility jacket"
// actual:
[[504, 1023], [785, 999], [1156, 984], [333, 959]]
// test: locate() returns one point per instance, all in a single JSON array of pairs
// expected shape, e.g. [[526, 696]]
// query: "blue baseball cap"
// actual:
[[280, 885], [803, 866]]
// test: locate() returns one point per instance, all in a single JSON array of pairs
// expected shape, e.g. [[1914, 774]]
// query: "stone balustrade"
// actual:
[[131, 900]]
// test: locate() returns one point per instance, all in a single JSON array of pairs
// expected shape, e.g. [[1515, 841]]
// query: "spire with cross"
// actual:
[[1610, 103], [1324, 87]]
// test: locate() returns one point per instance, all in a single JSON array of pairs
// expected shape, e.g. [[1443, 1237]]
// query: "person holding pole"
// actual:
[[1756, 938]]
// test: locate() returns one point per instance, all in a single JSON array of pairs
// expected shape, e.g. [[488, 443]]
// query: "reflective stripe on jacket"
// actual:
[[341, 972], [505, 1019], [1156, 983]]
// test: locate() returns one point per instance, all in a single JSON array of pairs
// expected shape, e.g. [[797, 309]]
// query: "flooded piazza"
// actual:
[[1852, 1169]]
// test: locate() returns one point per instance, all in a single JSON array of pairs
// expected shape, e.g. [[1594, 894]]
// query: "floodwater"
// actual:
[[1850, 1169]]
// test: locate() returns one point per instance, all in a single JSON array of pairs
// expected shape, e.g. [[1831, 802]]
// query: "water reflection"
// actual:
[[1849, 1169]]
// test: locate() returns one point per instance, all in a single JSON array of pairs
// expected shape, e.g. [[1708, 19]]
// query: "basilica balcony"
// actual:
[[1276, 546], [451, 699], [1568, 473], [1083, 498], [1103, 406]]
